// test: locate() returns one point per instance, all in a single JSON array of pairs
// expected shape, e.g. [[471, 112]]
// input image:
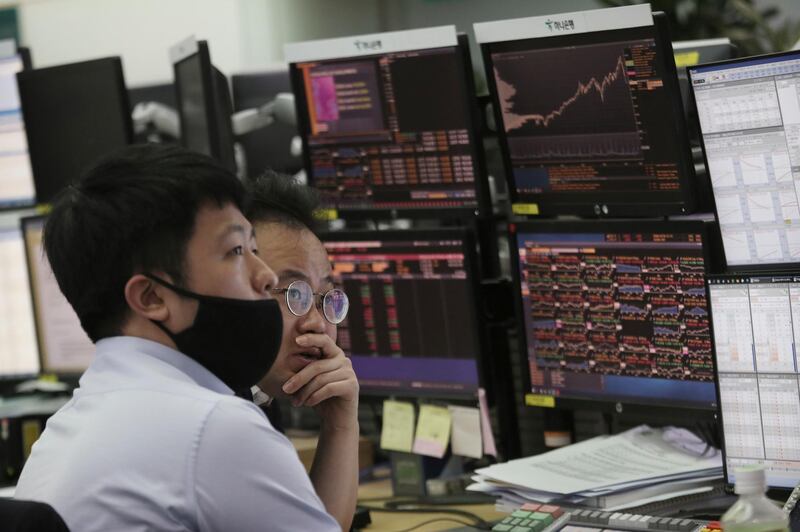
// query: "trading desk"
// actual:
[[376, 493]]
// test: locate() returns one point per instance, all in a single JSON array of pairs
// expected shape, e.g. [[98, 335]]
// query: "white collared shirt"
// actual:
[[151, 440]]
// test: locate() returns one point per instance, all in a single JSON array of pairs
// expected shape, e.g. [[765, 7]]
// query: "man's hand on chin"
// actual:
[[328, 384]]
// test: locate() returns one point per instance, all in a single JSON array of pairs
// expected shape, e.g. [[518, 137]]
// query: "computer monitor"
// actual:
[[691, 53], [19, 354], [74, 115], [204, 102], [749, 113], [16, 175], [614, 313], [267, 147], [755, 321], [589, 113], [64, 347], [388, 124], [413, 328], [163, 93]]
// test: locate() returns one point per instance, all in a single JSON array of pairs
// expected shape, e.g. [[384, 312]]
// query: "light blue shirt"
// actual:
[[151, 440]]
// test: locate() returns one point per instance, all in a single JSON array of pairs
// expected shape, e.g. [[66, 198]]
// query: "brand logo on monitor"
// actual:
[[368, 45], [560, 25]]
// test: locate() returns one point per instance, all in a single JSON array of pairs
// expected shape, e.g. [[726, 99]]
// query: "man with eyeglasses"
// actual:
[[310, 369]]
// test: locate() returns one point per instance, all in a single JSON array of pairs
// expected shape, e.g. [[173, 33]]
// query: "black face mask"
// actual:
[[235, 339]]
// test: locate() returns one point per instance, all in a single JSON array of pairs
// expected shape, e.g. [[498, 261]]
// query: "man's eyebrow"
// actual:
[[235, 228], [293, 274]]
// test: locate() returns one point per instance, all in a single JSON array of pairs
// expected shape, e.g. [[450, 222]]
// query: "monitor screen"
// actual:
[[756, 333], [691, 53], [19, 354], [391, 127], [412, 327], [163, 93], [588, 113], [204, 103], [749, 111], [267, 147], [63, 345], [16, 175], [74, 115], [616, 312], [192, 97]]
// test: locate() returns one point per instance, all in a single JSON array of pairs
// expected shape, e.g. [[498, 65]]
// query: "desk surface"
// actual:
[[383, 521]]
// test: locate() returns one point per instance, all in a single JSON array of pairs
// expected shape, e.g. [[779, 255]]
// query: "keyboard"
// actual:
[[534, 517]]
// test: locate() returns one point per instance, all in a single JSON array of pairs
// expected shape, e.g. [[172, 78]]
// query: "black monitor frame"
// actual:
[[27, 64], [607, 207], [776, 490], [70, 376], [39, 153], [217, 103], [610, 406], [743, 268], [474, 120], [472, 267]]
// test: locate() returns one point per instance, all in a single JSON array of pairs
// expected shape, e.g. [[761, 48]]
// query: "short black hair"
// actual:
[[274, 197], [133, 212]]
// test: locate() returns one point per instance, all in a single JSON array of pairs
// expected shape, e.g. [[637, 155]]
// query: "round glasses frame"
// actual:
[[334, 303]]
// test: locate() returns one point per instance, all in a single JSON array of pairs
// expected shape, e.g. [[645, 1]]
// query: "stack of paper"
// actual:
[[636, 467]]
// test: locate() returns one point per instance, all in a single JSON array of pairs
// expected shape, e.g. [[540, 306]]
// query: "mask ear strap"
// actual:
[[176, 289], [163, 327]]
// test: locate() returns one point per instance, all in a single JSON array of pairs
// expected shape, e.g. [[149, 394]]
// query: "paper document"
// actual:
[[397, 433], [465, 437], [433, 431], [489, 446], [634, 458]]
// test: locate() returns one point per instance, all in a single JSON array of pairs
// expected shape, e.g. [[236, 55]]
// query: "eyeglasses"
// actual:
[[300, 297]]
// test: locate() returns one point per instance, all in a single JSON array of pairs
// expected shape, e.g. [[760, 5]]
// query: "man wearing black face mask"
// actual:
[[152, 251]]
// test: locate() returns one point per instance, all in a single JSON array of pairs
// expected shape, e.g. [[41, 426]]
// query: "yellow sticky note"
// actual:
[[326, 214], [546, 401], [531, 209], [684, 59], [31, 430], [433, 431], [397, 433]]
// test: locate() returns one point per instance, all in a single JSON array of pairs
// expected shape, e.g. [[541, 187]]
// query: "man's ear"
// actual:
[[144, 298]]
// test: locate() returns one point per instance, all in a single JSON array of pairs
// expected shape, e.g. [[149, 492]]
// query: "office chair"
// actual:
[[30, 516]]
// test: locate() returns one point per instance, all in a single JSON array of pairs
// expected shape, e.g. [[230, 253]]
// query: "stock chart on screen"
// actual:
[[391, 130], [616, 314], [756, 331], [412, 322], [749, 111], [591, 119]]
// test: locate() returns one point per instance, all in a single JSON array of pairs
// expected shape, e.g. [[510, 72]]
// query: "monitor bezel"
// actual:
[[24, 54], [647, 226], [44, 368], [184, 51], [709, 281], [472, 267], [686, 178], [483, 199], [737, 268]]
